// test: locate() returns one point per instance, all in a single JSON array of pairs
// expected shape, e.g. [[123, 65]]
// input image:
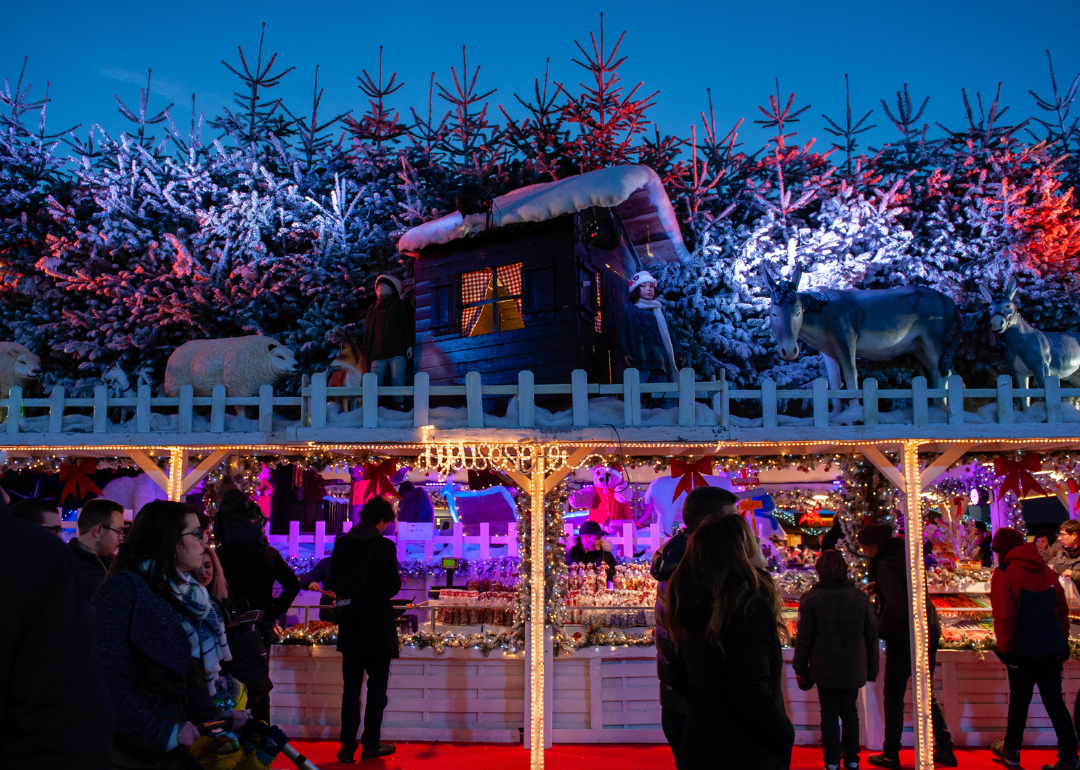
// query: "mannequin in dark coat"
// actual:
[[55, 713], [364, 575], [389, 333]]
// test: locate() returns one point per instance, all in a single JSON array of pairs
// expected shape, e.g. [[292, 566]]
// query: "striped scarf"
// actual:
[[207, 633]]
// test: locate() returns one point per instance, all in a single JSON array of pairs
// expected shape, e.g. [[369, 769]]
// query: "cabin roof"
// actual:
[[636, 191]]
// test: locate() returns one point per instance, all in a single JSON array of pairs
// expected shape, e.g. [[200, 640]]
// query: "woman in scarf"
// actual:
[[646, 341], [161, 636]]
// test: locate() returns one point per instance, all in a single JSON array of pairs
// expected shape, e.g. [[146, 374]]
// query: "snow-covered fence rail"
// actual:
[[453, 541], [631, 403]]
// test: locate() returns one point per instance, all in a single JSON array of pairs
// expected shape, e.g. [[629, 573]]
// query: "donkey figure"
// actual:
[[1028, 351], [874, 324]]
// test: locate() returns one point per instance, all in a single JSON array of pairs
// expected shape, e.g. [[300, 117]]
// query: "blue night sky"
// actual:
[[89, 52]]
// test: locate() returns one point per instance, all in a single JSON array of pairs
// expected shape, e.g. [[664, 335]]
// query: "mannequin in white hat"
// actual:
[[388, 333], [645, 339]]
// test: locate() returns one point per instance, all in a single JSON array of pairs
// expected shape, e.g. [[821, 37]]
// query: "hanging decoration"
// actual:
[[1018, 475], [1074, 490], [375, 481], [811, 518], [76, 479], [690, 475]]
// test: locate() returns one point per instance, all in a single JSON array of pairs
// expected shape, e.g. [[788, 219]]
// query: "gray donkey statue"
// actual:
[[1028, 351], [873, 324]]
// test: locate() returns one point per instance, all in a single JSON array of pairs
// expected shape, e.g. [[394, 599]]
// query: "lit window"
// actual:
[[491, 300]]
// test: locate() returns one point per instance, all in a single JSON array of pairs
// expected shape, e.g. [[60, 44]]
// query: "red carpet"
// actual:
[[478, 756]]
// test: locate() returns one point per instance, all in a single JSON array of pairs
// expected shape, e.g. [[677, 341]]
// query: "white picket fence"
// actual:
[[94, 413]]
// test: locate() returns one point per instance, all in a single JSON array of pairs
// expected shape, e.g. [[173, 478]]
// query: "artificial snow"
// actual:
[[605, 188]]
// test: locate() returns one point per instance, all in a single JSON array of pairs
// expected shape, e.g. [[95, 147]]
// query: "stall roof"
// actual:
[[636, 191]]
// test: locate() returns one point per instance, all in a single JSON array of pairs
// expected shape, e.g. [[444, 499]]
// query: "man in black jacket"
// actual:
[[364, 575], [55, 712], [251, 568], [101, 528], [890, 587], [701, 504]]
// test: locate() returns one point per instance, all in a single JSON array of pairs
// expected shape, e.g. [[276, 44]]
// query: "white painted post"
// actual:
[[870, 401], [186, 409], [474, 399], [320, 539], [655, 537], [101, 412], [725, 400], [15, 408], [400, 544], [1053, 399], [56, 410], [305, 401], [294, 539], [318, 400], [370, 400], [345, 527], [632, 396], [768, 403], [142, 409], [526, 398], [628, 539], [920, 411], [217, 409], [956, 400], [511, 539], [579, 394], [1004, 399], [421, 399], [821, 403], [457, 540], [266, 408], [687, 405], [485, 540]]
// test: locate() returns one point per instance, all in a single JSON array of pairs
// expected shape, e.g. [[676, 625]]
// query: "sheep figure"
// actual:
[[18, 366], [241, 364]]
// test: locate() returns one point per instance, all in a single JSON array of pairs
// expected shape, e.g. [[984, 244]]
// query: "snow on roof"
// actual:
[[606, 187]]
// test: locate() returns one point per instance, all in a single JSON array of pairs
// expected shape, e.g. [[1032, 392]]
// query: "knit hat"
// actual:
[[639, 278], [1005, 539], [390, 280]]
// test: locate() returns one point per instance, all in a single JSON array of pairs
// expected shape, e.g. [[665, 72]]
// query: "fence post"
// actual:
[[687, 397], [320, 539], [632, 396], [457, 542], [421, 399], [56, 410], [217, 409], [920, 410], [768, 403], [474, 399], [142, 409], [870, 401], [318, 400], [1005, 399], [266, 408], [485, 539], [369, 404], [628, 539], [101, 412], [15, 409], [526, 399], [725, 400], [655, 538], [579, 394], [305, 401], [955, 389], [186, 409], [294, 539], [1052, 396], [511, 539], [821, 403]]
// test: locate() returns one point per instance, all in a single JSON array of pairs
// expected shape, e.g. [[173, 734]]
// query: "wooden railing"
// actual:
[[58, 414]]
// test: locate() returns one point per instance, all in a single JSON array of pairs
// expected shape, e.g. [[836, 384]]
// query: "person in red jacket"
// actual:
[[1031, 623]]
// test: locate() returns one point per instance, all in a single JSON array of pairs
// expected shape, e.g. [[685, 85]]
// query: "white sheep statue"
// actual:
[[18, 366], [241, 364], [133, 492]]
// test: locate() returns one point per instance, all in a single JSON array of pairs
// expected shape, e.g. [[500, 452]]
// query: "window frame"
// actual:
[[494, 301]]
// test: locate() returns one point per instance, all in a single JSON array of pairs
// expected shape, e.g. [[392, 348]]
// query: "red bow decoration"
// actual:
[[1074, 488], [76, 479], [690, 475], [1017, 473], [812, 518], [375, 480]]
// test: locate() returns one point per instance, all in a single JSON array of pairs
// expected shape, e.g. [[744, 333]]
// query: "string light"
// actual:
[[920, 643]]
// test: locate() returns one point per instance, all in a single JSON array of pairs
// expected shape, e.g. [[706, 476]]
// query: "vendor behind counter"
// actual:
[[591, 548]]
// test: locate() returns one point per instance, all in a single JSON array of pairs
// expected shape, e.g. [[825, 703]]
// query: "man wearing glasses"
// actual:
[[1065, 555], [101, 530], [41, 512]]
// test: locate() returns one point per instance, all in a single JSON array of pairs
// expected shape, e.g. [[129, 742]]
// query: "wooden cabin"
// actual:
[[543, 289]]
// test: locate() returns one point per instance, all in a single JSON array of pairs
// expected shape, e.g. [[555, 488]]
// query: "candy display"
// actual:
[[591, 603]]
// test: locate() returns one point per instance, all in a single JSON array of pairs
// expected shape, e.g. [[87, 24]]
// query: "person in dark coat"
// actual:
[[55, 712], [318, 579], [251, 568], [890, 587], [1065, 553], [645, 339], [701, 504], [415, 504], [1031, 628], [591, 548], [159, 638], [101, 528], [364, 575], [724, 615], [389, 333], [837, 649], [832, 538]]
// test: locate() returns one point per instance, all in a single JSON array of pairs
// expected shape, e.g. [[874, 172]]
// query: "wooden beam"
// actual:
[[149, 467], [575, 457], [941, 463], [203, 468], [520, 479], [883, 464]]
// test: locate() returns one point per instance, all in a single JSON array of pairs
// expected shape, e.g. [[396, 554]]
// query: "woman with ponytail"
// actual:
[[724, 615]]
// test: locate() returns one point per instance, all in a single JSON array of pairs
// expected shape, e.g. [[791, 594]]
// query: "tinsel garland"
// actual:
[[322, 633], [51, 463], [596, 637]]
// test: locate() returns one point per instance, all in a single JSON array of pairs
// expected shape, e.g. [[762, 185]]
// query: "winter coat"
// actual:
[[669, 669], [1061, 561], [735, 715], [388, 329], [837, 642], [602, 555], [1031, 616], [364, 572], [55, 712], [154, 681], [639, 337], [892, 595], [92, 569]]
